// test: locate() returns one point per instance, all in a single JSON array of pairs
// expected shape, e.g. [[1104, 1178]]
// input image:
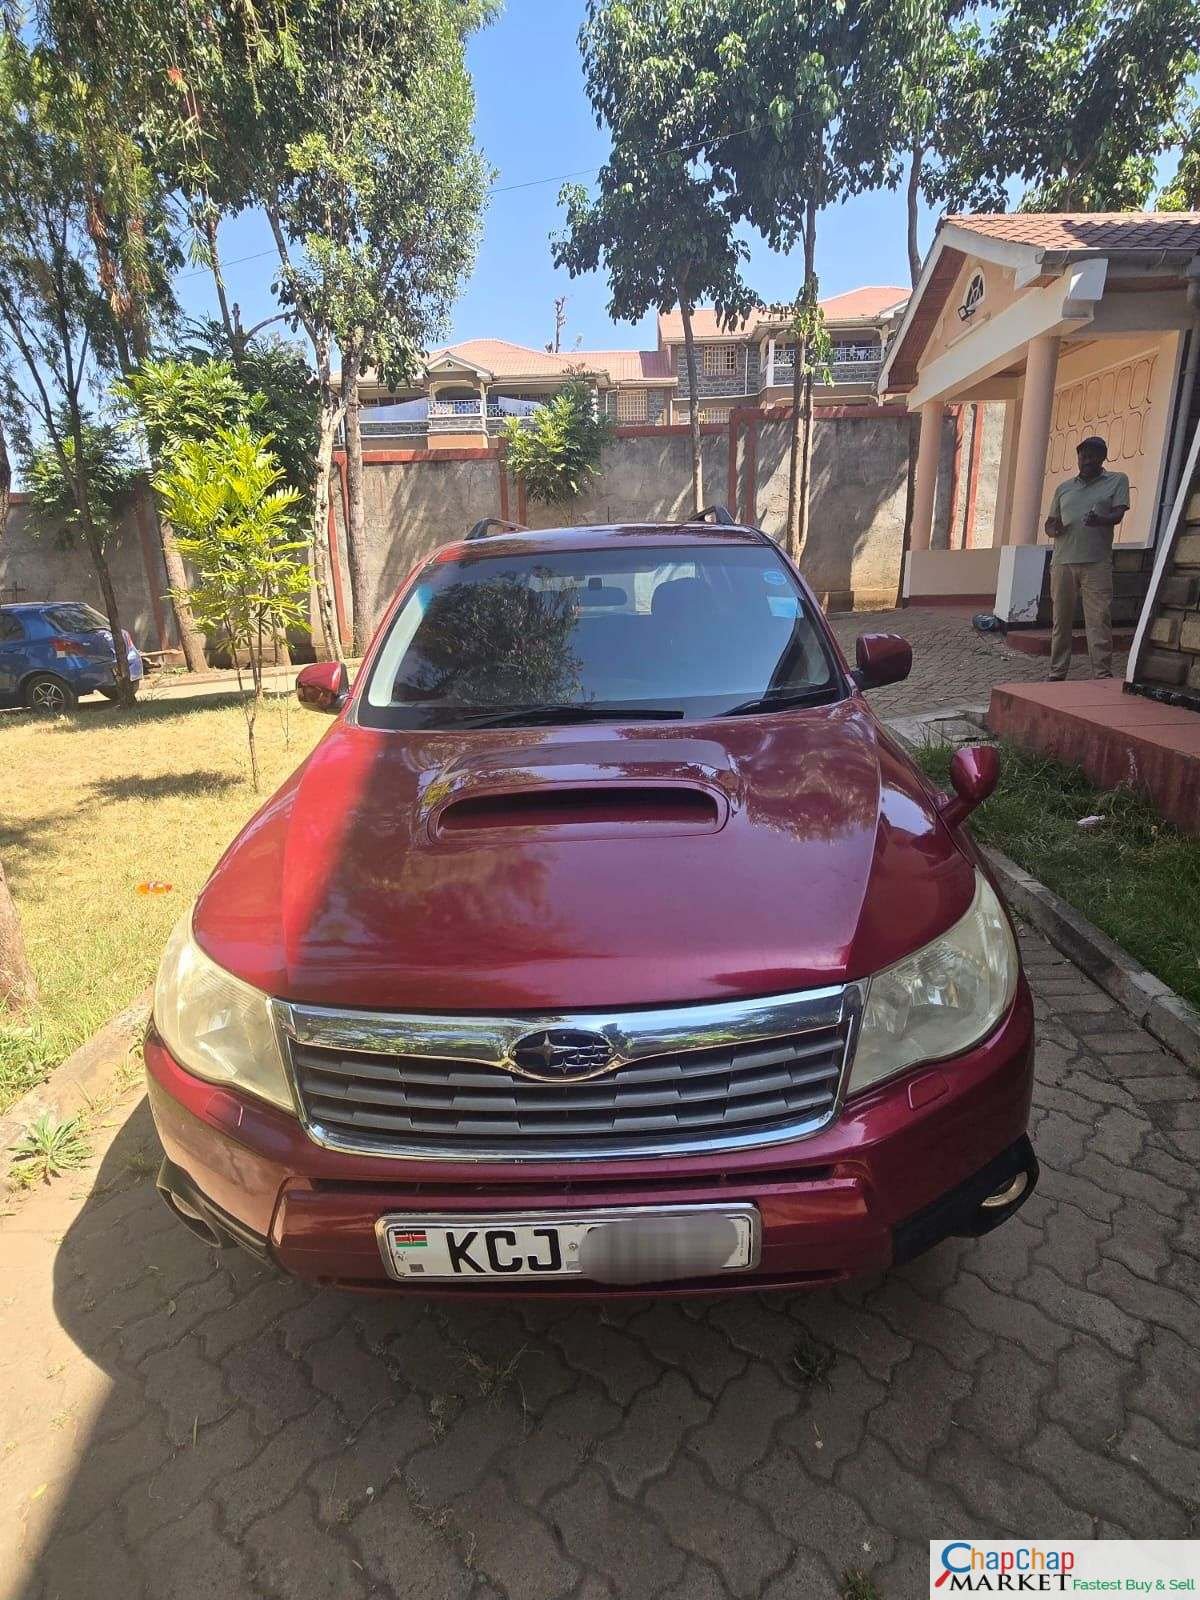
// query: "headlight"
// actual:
[[214, 1024], [942, 1000]]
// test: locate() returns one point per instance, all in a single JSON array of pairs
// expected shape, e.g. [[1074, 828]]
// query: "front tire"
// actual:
[[51, 695]]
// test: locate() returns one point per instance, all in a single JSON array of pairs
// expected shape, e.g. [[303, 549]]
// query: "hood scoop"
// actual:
[[581, 810]]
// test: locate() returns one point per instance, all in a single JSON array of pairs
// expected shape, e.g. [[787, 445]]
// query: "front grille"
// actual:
[[411, 1102]]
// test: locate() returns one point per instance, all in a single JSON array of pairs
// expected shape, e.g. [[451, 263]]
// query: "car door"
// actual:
[[12, 654]]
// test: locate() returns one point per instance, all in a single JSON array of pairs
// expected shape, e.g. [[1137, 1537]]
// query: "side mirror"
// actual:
[[323, 686], [974, 772], [882, 658]]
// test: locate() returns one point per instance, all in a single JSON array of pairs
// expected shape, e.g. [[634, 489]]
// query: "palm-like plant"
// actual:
[[235, 523]]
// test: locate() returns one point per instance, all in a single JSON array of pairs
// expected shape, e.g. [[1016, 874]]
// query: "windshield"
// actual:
[[562, 636]]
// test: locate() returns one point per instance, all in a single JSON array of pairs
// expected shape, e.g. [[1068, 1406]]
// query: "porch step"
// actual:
[[1115, 737], [1036, 641]]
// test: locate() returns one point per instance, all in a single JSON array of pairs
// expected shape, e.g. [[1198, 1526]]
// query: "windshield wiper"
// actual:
[[567, 711], [784, 702]]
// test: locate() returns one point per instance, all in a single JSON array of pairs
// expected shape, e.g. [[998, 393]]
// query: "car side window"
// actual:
[[10, 628]]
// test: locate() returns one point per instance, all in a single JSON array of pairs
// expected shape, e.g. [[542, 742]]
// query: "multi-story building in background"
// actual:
[[467, 390]]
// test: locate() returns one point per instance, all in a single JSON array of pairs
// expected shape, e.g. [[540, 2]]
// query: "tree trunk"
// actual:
[[799, 485], [232, 327], [5, 483], [689, 345], [330, 414], [806, 465], [795, 450], [18, 987], [912, 196], [810, 303], [124, 686], [82, 490], [191, 639], [362, 591], [250, 707]]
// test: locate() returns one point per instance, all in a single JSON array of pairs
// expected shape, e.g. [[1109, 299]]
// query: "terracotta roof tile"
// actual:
[[507, 360], [1089, 230], [704, 326], [870, 301], [628, 363]]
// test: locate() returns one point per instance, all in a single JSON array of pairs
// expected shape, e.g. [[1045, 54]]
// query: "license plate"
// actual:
[[633, 1244]]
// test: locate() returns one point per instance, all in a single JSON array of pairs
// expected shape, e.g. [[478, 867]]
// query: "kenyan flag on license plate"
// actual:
[[411, 1239]]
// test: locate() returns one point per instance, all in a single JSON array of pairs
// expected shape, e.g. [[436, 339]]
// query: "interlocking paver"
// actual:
[[260, 1437], [617, 1539], [722, 1528], [743, 1421], [649, 1437]]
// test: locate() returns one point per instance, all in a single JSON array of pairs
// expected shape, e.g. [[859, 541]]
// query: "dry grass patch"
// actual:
[[91, 806]]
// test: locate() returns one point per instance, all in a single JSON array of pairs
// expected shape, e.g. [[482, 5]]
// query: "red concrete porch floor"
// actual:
[[1036, 641], [1115, 737]]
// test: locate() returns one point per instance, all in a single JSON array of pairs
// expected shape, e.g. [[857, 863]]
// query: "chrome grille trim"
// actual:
[[351, 1098]]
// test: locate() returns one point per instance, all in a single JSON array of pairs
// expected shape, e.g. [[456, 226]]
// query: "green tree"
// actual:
[[1075, 100], [794, 106], [771, 100], [557, 449], [174, 400], [131, 215], [111, 473], [55, 319], [375, 210], [933, 52], [654, 226], [236, 524], [276, 373]]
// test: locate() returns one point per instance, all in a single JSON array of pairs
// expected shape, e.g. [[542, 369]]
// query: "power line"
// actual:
[[507, 188]]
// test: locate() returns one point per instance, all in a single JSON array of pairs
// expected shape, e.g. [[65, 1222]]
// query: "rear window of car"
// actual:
[[77, 618], [11, 626], [671, 631]]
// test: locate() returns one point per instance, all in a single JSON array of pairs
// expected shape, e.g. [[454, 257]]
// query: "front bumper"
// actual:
[[904, 1165]]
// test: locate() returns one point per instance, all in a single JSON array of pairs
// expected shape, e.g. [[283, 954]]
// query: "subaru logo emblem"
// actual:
[[554, 1054]]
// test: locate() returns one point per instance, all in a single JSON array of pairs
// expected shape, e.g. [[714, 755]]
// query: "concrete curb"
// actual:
[[84, 1080], [1170, 1018]]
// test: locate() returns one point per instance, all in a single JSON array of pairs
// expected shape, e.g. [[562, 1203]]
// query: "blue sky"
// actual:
[[534, 123]]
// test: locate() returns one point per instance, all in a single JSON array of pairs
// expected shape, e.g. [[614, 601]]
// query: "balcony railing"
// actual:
[[842, 368], [445, 416]]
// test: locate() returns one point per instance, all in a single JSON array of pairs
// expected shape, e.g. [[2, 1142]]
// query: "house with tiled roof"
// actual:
[[467, 390], [1077, 325]]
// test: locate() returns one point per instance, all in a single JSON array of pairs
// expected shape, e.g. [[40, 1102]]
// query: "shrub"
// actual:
[[557, 450]]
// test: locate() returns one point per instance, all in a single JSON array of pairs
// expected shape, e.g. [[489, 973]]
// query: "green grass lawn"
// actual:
[[1134, 876], [92, 805]]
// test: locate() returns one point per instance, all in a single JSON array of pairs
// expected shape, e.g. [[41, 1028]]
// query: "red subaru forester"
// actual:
[[606, 942]]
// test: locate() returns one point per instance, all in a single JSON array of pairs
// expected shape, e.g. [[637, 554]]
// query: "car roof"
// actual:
[[38, 605], [607, 536]]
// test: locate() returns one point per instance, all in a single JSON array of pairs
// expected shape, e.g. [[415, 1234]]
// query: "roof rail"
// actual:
[[486, 524], [716, 513]]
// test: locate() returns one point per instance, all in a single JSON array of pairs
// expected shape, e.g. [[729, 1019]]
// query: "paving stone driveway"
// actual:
[[180, 1423]]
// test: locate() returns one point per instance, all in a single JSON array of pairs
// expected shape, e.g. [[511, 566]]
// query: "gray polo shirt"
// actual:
[[1072, 501]]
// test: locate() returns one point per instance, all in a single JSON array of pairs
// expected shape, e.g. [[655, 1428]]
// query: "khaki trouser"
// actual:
[[1095, 578]]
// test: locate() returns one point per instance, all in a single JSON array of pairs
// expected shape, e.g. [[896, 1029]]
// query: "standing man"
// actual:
[[1083, 517]]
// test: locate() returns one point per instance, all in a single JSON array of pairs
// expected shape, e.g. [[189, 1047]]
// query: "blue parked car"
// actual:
[[52, 651]]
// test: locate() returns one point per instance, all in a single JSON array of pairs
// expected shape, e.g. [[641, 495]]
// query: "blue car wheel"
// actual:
[[50, 694]]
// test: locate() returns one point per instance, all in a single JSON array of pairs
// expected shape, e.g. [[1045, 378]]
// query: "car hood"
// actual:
[[535, 869]]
